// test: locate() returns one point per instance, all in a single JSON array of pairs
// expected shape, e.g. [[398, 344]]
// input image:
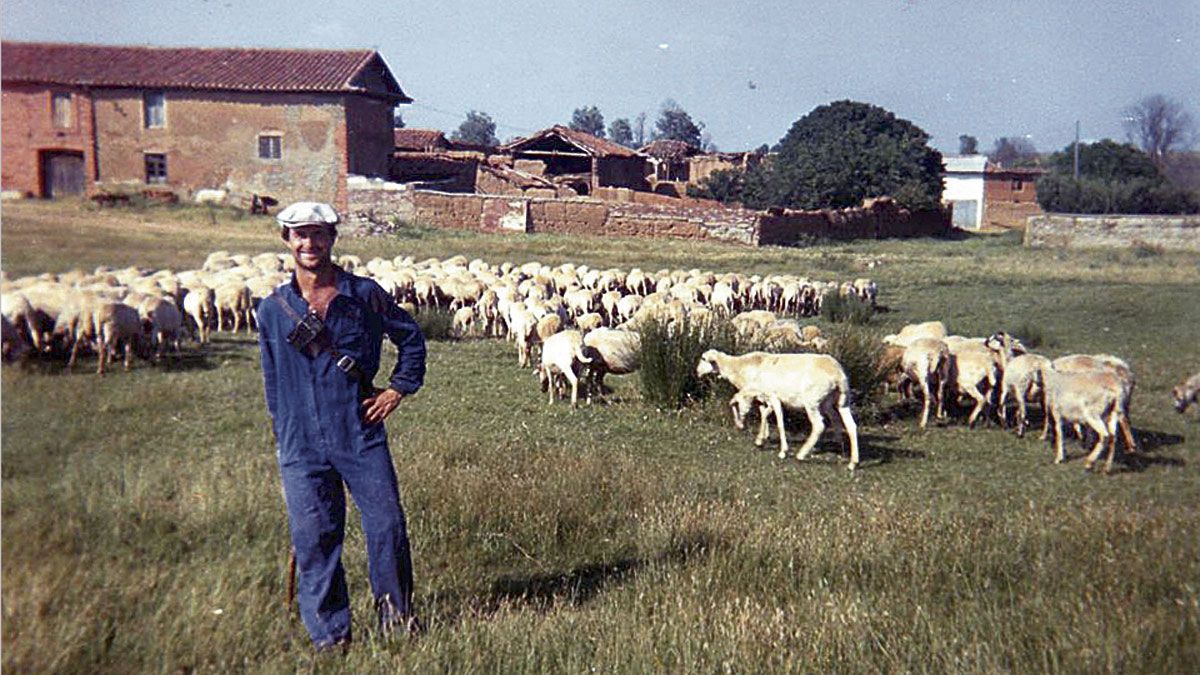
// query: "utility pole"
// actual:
[[1076, 172]]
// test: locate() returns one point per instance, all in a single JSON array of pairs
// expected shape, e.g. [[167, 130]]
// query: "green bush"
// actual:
[[436, 323], [860, 351], [837, 308], [669, 357]]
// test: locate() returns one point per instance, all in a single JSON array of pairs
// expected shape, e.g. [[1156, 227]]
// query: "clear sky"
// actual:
[[746, 70]]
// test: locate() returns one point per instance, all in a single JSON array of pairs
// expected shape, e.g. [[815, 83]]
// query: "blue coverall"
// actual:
[[321, 442]]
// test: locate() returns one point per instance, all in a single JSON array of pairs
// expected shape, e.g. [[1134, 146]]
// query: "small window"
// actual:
[[156, 167], [60, 105], [1018, 185], [270, 146], [155, 105]]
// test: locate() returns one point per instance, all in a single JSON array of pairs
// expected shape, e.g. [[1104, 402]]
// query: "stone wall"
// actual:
[[375, 202], [1118, 231]]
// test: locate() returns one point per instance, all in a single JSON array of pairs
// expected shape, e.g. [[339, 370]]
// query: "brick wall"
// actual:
[[1077, 231], [1009, 214], [28, 129]]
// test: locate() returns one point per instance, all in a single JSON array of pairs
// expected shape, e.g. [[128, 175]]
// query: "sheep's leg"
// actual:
[[1113, 422], [925, 394], [1127, 432], [74, 353], [818, 425], [941, 396], [980, 403], [764, 416], [570, 375], [777, 410], [128, 352], [103, 355], [1060, 454], [1102, 437], [1002, 406], [851, 428]]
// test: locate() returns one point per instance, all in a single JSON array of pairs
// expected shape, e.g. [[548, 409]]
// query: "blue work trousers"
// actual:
[[316, 504]]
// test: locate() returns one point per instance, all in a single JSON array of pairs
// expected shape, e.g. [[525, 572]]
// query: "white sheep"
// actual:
[[562, 354], [928, 329], [815, 383], [200, 306], [615, 352], [926, 361], [1092, 398], [1022, 378], [1082, 363]]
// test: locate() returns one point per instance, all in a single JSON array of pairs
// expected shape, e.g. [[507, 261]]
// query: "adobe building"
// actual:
[[578, 160], [282, 123]]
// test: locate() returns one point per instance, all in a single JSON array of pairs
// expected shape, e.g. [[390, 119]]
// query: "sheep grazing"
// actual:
[[1187, 393], [975, 372], [562, 354], [1022, 378], [464, 319], [615, 352], [163, 320], [926, 361], [232, 298], [1092, 398], [1082, 363], [744, 401], [815, 383], [200, 306]]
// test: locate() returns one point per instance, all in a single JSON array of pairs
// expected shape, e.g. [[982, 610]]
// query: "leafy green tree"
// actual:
[[968, 145], [724, 185], [675, 124], [477, 129], [588, 120], [1105, 160], [621, 132], [844, 152], [1113, 178], [1012, 151]]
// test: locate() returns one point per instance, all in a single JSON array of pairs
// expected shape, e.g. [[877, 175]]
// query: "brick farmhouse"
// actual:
[[281, 123]]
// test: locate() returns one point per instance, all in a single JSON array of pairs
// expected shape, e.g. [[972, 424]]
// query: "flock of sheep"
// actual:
[[586, 322]]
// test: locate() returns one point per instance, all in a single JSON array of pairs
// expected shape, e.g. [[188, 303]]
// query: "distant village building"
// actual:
[[982, 193], [281, 123], [578, 160]]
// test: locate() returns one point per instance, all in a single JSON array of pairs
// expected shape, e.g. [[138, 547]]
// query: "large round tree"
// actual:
[[841, 153]]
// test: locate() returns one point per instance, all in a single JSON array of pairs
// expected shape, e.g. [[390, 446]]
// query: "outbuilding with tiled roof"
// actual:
[[578, 159], [282, 123]]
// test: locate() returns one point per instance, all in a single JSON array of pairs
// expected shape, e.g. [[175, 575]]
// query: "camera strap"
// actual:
[[344, 363]]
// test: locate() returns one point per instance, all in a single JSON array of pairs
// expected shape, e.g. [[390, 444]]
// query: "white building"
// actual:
[[964, 189]]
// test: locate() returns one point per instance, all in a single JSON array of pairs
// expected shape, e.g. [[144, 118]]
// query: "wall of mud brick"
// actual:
[[1178, 233], [793, 228], [689, 219]]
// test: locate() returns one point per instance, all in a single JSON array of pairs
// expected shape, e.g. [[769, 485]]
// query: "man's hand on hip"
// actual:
[[378, 407]]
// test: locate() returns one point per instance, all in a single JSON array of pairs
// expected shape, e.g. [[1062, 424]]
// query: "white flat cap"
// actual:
[[307, 213]]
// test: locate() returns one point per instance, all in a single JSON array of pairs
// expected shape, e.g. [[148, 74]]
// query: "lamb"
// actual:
[[562, 354], [1187, 393], [1092, 398], [612, 351], [1023, 376], [926, 361], [589, 322], [746, 399], [522, 327], [814, 382], [464, 320]]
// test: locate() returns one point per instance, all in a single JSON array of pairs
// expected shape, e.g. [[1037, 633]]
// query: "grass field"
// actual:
[[144, 529]]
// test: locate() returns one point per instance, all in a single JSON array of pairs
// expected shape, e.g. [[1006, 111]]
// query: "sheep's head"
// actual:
[[740, 406], [708, 364], [1182, 398]]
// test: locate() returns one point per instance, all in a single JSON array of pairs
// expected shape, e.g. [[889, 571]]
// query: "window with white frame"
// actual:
[[270, 146], [156, 167], [61, 109], [154, 106]]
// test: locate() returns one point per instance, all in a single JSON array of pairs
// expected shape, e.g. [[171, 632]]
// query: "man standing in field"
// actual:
[[320, 337]]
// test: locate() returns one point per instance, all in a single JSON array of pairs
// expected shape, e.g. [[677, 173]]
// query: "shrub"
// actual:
[[669, 357], [436, 323], [837, 308], [860, 351], [1031, 335]]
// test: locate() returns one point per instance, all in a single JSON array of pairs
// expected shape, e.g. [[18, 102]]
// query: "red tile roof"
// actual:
[[420, 139], [593, 145], [282, 70]]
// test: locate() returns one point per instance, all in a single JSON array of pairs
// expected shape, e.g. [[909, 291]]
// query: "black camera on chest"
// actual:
[[306, 331]]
